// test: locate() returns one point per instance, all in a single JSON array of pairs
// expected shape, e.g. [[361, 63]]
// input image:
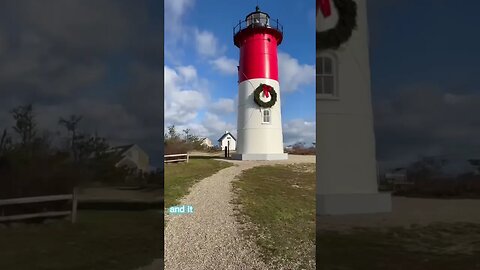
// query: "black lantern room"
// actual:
[[258, 19]]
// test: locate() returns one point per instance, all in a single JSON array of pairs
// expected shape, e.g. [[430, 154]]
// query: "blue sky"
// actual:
[[425, 79], [439, 35], [201, 60]]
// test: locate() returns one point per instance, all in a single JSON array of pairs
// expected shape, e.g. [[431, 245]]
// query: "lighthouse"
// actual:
[[259, 122], [346, 163]]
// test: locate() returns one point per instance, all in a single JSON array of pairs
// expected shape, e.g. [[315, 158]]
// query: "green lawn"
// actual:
[[179, 177], [439, 247], [103, 240], [280, 202]]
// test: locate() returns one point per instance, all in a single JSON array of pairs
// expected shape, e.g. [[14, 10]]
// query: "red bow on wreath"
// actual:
[[325, 7], [266, 90]]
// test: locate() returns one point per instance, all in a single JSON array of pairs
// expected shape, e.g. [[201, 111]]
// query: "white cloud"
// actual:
[[183, 96], [406, 128], [299, 130], [177, 33], [225, 65], [186, 104], [207, 44], [176, 8], [189, 73], [215, 126], [453, 99], [111, 120], [223, 106], [174, 12], [293, 75], [195, 129]]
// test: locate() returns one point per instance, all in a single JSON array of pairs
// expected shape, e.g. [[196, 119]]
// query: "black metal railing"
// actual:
[[258, 22]]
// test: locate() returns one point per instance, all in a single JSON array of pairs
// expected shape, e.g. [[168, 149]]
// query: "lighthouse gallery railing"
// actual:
[[261, 22]]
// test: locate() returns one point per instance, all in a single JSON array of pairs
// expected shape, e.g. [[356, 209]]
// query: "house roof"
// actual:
[[122, 158], [224, 135], [122, 148]]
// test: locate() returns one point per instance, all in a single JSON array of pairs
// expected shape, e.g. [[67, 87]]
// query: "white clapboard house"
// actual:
[[206, 142], [228, 140], [132, 156]]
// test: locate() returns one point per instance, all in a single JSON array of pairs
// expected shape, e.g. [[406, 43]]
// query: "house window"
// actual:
[[266, 116], [326, 76]]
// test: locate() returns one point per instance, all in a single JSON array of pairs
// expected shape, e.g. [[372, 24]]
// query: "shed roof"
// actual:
[[224, 135]]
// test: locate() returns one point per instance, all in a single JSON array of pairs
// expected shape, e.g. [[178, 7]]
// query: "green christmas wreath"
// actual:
[[265, 90], [347, 21]]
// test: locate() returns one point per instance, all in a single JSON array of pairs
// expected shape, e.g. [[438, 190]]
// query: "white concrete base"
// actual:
[[282, 156], [344, 204]]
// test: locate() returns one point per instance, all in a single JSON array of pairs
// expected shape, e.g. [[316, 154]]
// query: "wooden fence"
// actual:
[[65, 197], [176, 158]]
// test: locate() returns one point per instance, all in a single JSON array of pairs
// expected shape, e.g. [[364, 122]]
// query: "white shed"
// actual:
[[228, 140]]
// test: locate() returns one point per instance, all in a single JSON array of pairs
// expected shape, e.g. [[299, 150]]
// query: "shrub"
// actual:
[[301, 149], [431, 178], [174, 143]]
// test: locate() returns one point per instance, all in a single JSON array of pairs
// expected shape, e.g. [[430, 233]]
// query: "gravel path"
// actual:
[[156, 265], [210, 237]]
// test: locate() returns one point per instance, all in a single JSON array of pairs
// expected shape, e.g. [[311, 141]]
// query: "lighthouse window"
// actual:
[[326, 76], [257, 19], [266, 117]]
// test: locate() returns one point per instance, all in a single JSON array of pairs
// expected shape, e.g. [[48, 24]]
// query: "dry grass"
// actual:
[[277, 206], [179, 177], [438, 246], [100, 240]]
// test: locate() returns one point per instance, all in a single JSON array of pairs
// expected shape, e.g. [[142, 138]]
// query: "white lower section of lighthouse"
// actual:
[[259, 133], [346, 162]]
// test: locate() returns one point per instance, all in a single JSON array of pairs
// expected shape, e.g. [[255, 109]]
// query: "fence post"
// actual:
[[74, 205], [187, 157]]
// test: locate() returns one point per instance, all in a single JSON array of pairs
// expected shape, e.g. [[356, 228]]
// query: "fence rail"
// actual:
[[64, 197], [179, 158]]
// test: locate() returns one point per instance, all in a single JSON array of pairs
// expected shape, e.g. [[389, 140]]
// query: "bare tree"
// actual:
[[187, 134], [172, 134], [71, 125], [25, 125], [5, 141]]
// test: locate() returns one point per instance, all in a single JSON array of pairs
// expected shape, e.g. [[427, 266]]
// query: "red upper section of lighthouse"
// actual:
[[258, 38]]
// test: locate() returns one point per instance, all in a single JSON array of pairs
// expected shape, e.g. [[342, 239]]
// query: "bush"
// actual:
[[301, 149], [174, 143], [172, 147], [25, 175], [430, 178], [30, 166]]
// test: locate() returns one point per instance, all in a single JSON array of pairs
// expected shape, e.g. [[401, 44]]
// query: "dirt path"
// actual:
[[210, 237]]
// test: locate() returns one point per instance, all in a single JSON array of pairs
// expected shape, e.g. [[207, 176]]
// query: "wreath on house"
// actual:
[[347, 21], [266, 91]]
